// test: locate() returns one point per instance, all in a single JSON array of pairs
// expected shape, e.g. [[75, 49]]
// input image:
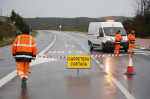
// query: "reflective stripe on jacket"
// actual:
[[131, 38], [118, 38], [24, 48]]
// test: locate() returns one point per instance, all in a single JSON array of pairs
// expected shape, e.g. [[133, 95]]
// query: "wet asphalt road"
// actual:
[[52, 80]]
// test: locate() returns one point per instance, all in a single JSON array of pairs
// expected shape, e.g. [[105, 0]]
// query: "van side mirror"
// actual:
[[101, 35]]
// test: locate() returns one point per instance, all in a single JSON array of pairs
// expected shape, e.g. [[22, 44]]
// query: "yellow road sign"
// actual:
[[78, 61]]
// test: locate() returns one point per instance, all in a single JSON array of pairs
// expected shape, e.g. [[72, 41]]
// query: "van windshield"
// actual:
[[111, 31]]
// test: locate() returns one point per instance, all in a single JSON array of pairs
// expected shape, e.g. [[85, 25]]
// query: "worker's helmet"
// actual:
[[25, 30], [132, 31]]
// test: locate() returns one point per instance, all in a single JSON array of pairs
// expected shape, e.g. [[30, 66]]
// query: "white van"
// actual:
[[102, 34]]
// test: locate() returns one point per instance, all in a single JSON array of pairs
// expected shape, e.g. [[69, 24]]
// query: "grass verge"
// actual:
[[11, 40]]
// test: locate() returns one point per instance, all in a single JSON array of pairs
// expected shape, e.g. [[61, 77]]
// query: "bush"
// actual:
[[1, 36]]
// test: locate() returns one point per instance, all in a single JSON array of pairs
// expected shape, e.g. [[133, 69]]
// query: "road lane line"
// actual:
[[13, 74], [123, 90], [49, 52], [48, 47], [66, 45], [38, 36], [78, 34], [93, 57], [119, 85], [7, 78], [97, 61], [75, 41]]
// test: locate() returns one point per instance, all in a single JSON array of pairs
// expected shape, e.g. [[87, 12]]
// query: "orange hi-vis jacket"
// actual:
[[24, 48], [118, 38], [131, 38]]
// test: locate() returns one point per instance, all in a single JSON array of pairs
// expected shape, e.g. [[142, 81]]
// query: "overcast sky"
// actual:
[[68, 8]]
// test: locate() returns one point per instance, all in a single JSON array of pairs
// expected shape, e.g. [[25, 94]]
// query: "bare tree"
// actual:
[[142, 7]]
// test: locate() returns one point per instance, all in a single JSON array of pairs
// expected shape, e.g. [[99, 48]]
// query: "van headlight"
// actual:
[[126, 39], [108, 39]]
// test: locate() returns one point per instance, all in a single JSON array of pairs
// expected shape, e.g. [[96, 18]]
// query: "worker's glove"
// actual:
[[34, 58], [14, 55]]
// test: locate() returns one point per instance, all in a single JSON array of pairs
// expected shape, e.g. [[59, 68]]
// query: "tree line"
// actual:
[[12, 26], [141, 22], [69, 24]]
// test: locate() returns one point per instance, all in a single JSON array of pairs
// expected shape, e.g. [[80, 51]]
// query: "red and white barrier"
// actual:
[[103, 55]]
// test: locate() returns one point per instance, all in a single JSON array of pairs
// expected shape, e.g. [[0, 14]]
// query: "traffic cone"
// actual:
[[130, 70]]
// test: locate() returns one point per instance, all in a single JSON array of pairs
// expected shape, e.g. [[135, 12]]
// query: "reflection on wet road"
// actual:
[[105, 79]]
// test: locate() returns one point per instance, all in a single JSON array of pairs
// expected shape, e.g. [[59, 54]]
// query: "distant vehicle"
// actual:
[[102, 35]]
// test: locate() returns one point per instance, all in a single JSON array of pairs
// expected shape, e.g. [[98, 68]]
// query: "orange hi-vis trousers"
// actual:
[[117, 47], [23, 70], [131, 47]]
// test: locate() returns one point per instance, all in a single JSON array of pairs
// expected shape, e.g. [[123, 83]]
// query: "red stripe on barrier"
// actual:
[[107, 55]]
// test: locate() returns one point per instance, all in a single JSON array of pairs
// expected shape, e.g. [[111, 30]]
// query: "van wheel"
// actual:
[[103, 48], [91, 47], [126, 50]]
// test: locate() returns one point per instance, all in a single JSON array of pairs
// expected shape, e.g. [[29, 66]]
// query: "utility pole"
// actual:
[[77, 23], [1, 14], [141, 7]]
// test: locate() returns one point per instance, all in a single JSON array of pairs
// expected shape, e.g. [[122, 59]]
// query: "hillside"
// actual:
[[68, 23]]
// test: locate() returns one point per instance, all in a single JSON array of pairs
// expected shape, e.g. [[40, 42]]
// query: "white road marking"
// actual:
[[97, 61], [81, 52], [58, 52], [121, 87], [38, 36], [75, 41], [39, 60], [94, 58], [13, 74], [7, 78], [118, 84], [79, 34], [49, 52], [66, 45], [77, 51], [54, 51], [73, 46], [42, 53], [70, 52]]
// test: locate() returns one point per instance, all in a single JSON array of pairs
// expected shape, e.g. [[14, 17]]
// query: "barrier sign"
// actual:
[[78, 62]]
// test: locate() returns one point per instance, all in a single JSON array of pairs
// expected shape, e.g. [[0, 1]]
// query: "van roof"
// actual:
[[106, 24]]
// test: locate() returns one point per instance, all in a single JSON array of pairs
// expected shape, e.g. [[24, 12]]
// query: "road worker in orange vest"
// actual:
[[118, 39], [24, 50], [131, 39]]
